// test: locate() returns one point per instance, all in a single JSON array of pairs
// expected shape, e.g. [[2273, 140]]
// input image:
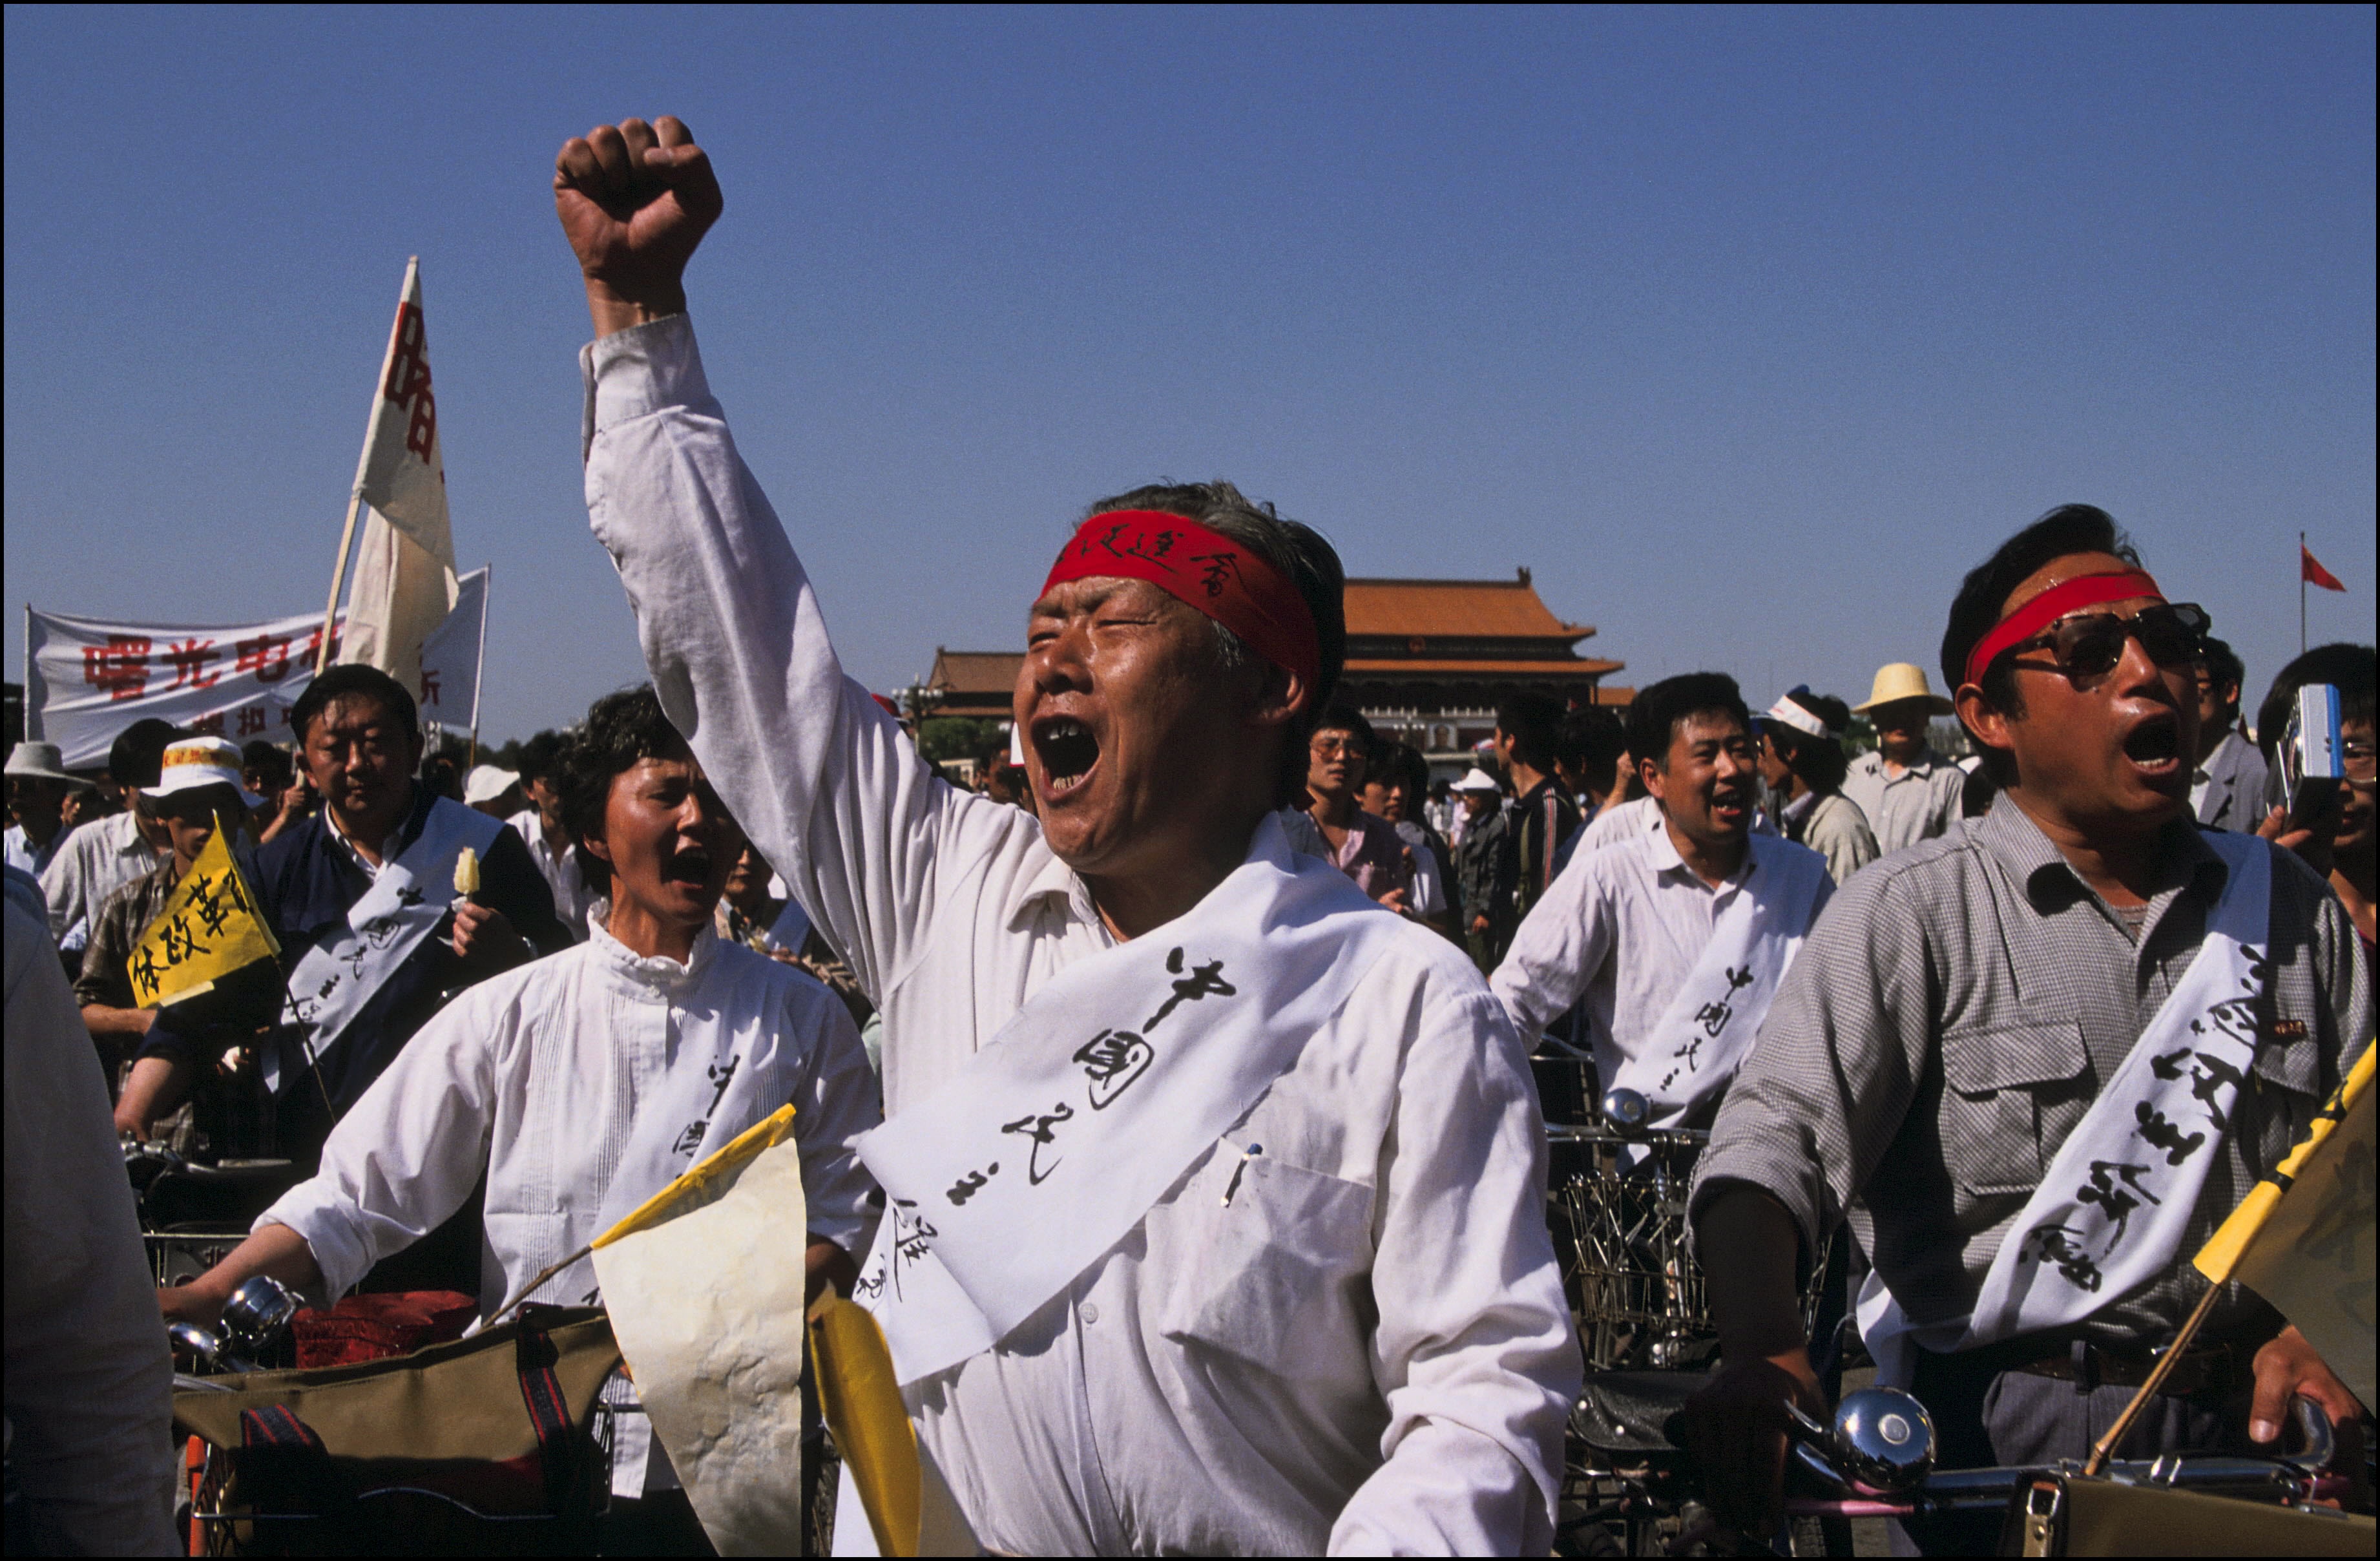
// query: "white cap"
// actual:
[[488, 782], [192, 762], [1789, 711], [1477, 780]]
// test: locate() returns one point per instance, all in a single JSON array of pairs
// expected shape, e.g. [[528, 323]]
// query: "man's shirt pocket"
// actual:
[[1277, 1261], [2010, 1094]]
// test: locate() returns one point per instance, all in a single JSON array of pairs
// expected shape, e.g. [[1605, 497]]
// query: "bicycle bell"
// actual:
[[1884, 1439], [1626, 1112], [257, 1313], [189, 1339]]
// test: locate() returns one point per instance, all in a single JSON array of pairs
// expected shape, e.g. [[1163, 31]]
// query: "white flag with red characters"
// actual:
[[404, 581]]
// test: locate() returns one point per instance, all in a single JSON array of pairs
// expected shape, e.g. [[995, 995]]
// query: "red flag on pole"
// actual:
[[2310, 570]]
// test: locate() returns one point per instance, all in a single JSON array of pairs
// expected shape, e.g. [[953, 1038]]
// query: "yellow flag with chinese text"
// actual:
[[209, 928], [2302, 1237]]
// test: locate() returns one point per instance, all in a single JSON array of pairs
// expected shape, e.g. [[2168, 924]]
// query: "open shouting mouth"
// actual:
[[1069, 753], [2154, 745]]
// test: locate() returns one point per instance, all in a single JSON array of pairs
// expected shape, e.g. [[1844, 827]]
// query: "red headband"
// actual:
[[2082, 591], [1238, 588]]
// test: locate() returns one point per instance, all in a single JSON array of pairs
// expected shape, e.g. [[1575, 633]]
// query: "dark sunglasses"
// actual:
[[2088, 645]]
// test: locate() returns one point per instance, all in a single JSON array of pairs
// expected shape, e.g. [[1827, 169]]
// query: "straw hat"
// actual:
[[41, 761], [1904, 680]]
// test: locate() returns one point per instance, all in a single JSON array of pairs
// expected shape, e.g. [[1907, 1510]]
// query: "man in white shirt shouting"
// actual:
[[1216, 1219], [1675, 939]]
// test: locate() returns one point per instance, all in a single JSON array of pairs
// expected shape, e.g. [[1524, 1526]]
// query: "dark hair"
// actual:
[[347, 680], [2348, 668], [1819, 762], [1297, 551], [1530, 719], [1977, 792], [1594, 739], [621, 729], [1653, 717], [2224, 668], [2064, 531], [138, 751], [1343, 717], [1396, 764], [544, 757], [442, 777], [266, 759]]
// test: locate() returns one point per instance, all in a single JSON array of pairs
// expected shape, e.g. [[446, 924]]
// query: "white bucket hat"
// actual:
[[1477, 780], [192, 762], [488, 782]]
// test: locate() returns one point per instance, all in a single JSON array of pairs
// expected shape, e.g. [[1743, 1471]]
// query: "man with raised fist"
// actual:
[[1215, 1215]]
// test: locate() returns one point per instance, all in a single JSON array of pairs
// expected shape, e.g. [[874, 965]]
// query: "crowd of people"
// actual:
[[1278, 1278]]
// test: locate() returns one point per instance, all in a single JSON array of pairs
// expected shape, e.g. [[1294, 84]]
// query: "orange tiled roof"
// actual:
[[1419, 667], [1470, 609], [976, 672]]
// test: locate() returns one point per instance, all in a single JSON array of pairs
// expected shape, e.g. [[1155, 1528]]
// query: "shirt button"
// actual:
[[1091, 1314]]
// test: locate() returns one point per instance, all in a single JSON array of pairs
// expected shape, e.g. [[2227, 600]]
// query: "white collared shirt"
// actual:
[[1092, 1428], [1620, 928], [1905, 805], [534, 1077], [572, 898], [27, 857], [389, 848], [98, 858]]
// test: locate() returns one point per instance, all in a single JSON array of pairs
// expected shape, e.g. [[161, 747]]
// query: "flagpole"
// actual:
[[480, 667], [363, 463], [2302, 621]]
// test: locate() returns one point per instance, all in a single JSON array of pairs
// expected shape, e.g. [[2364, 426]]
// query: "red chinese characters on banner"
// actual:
[[210, 725], [252, 720], [267, 655], [121, 666], [188, 659], [409, 381], [429, 685]]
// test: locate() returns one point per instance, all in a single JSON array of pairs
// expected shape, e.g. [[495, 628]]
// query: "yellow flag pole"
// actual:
[[2219, 1259], [694, 1181]]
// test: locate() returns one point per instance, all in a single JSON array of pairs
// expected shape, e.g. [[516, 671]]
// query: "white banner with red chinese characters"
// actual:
[[88, 679]]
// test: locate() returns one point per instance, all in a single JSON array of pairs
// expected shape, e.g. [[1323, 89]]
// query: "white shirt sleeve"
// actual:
[[1474, 1350], [408, 1153], [1556, 951], [89, 1383], [823, 780]]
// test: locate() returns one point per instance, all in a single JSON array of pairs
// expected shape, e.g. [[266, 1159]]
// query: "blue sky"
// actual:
[[1747, 331]]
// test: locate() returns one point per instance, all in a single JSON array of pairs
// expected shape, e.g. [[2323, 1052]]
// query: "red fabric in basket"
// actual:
[[372, 1327]]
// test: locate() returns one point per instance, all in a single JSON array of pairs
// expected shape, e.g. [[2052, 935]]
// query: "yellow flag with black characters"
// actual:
[[210, 927]]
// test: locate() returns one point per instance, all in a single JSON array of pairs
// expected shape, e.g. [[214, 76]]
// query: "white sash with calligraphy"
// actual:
[[2109, 1214], [337, 976], [1695, 1047], [1048, 1146]]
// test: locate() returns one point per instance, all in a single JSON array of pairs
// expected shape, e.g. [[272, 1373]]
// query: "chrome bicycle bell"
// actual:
[[257, 1313], [1626, 1112], [1884, 1439], [189, 1339]]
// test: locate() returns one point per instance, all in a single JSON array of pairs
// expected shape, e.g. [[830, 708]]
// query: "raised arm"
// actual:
[[821, 779]]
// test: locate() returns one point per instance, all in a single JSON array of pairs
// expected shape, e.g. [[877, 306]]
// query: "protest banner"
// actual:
[[86, 679], [208, 929]]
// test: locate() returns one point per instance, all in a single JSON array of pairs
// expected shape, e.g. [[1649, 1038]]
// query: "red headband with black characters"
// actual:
[[1231, 584], [2082, 591]]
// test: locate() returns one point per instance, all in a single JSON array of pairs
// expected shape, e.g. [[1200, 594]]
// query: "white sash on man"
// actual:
[[1051, 1143], [2109, 1214], [337, 976], [1696, 1046]]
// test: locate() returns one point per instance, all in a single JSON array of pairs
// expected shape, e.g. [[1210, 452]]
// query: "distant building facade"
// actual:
[[1427, 662]]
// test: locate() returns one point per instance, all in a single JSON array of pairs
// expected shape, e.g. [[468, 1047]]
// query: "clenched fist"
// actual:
[[635, 200]]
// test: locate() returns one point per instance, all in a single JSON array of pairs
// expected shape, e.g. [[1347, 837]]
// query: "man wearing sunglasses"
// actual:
[[2043, 1055]]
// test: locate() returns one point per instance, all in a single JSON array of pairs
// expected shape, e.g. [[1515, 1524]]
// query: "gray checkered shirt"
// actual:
[[1953, 1015]]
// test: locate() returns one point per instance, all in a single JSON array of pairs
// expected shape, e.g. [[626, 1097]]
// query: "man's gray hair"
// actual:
[[1297, 551]]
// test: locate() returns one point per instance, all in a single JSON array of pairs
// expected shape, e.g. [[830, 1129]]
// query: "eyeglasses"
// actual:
[[2089, 645], [1331, 747]]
